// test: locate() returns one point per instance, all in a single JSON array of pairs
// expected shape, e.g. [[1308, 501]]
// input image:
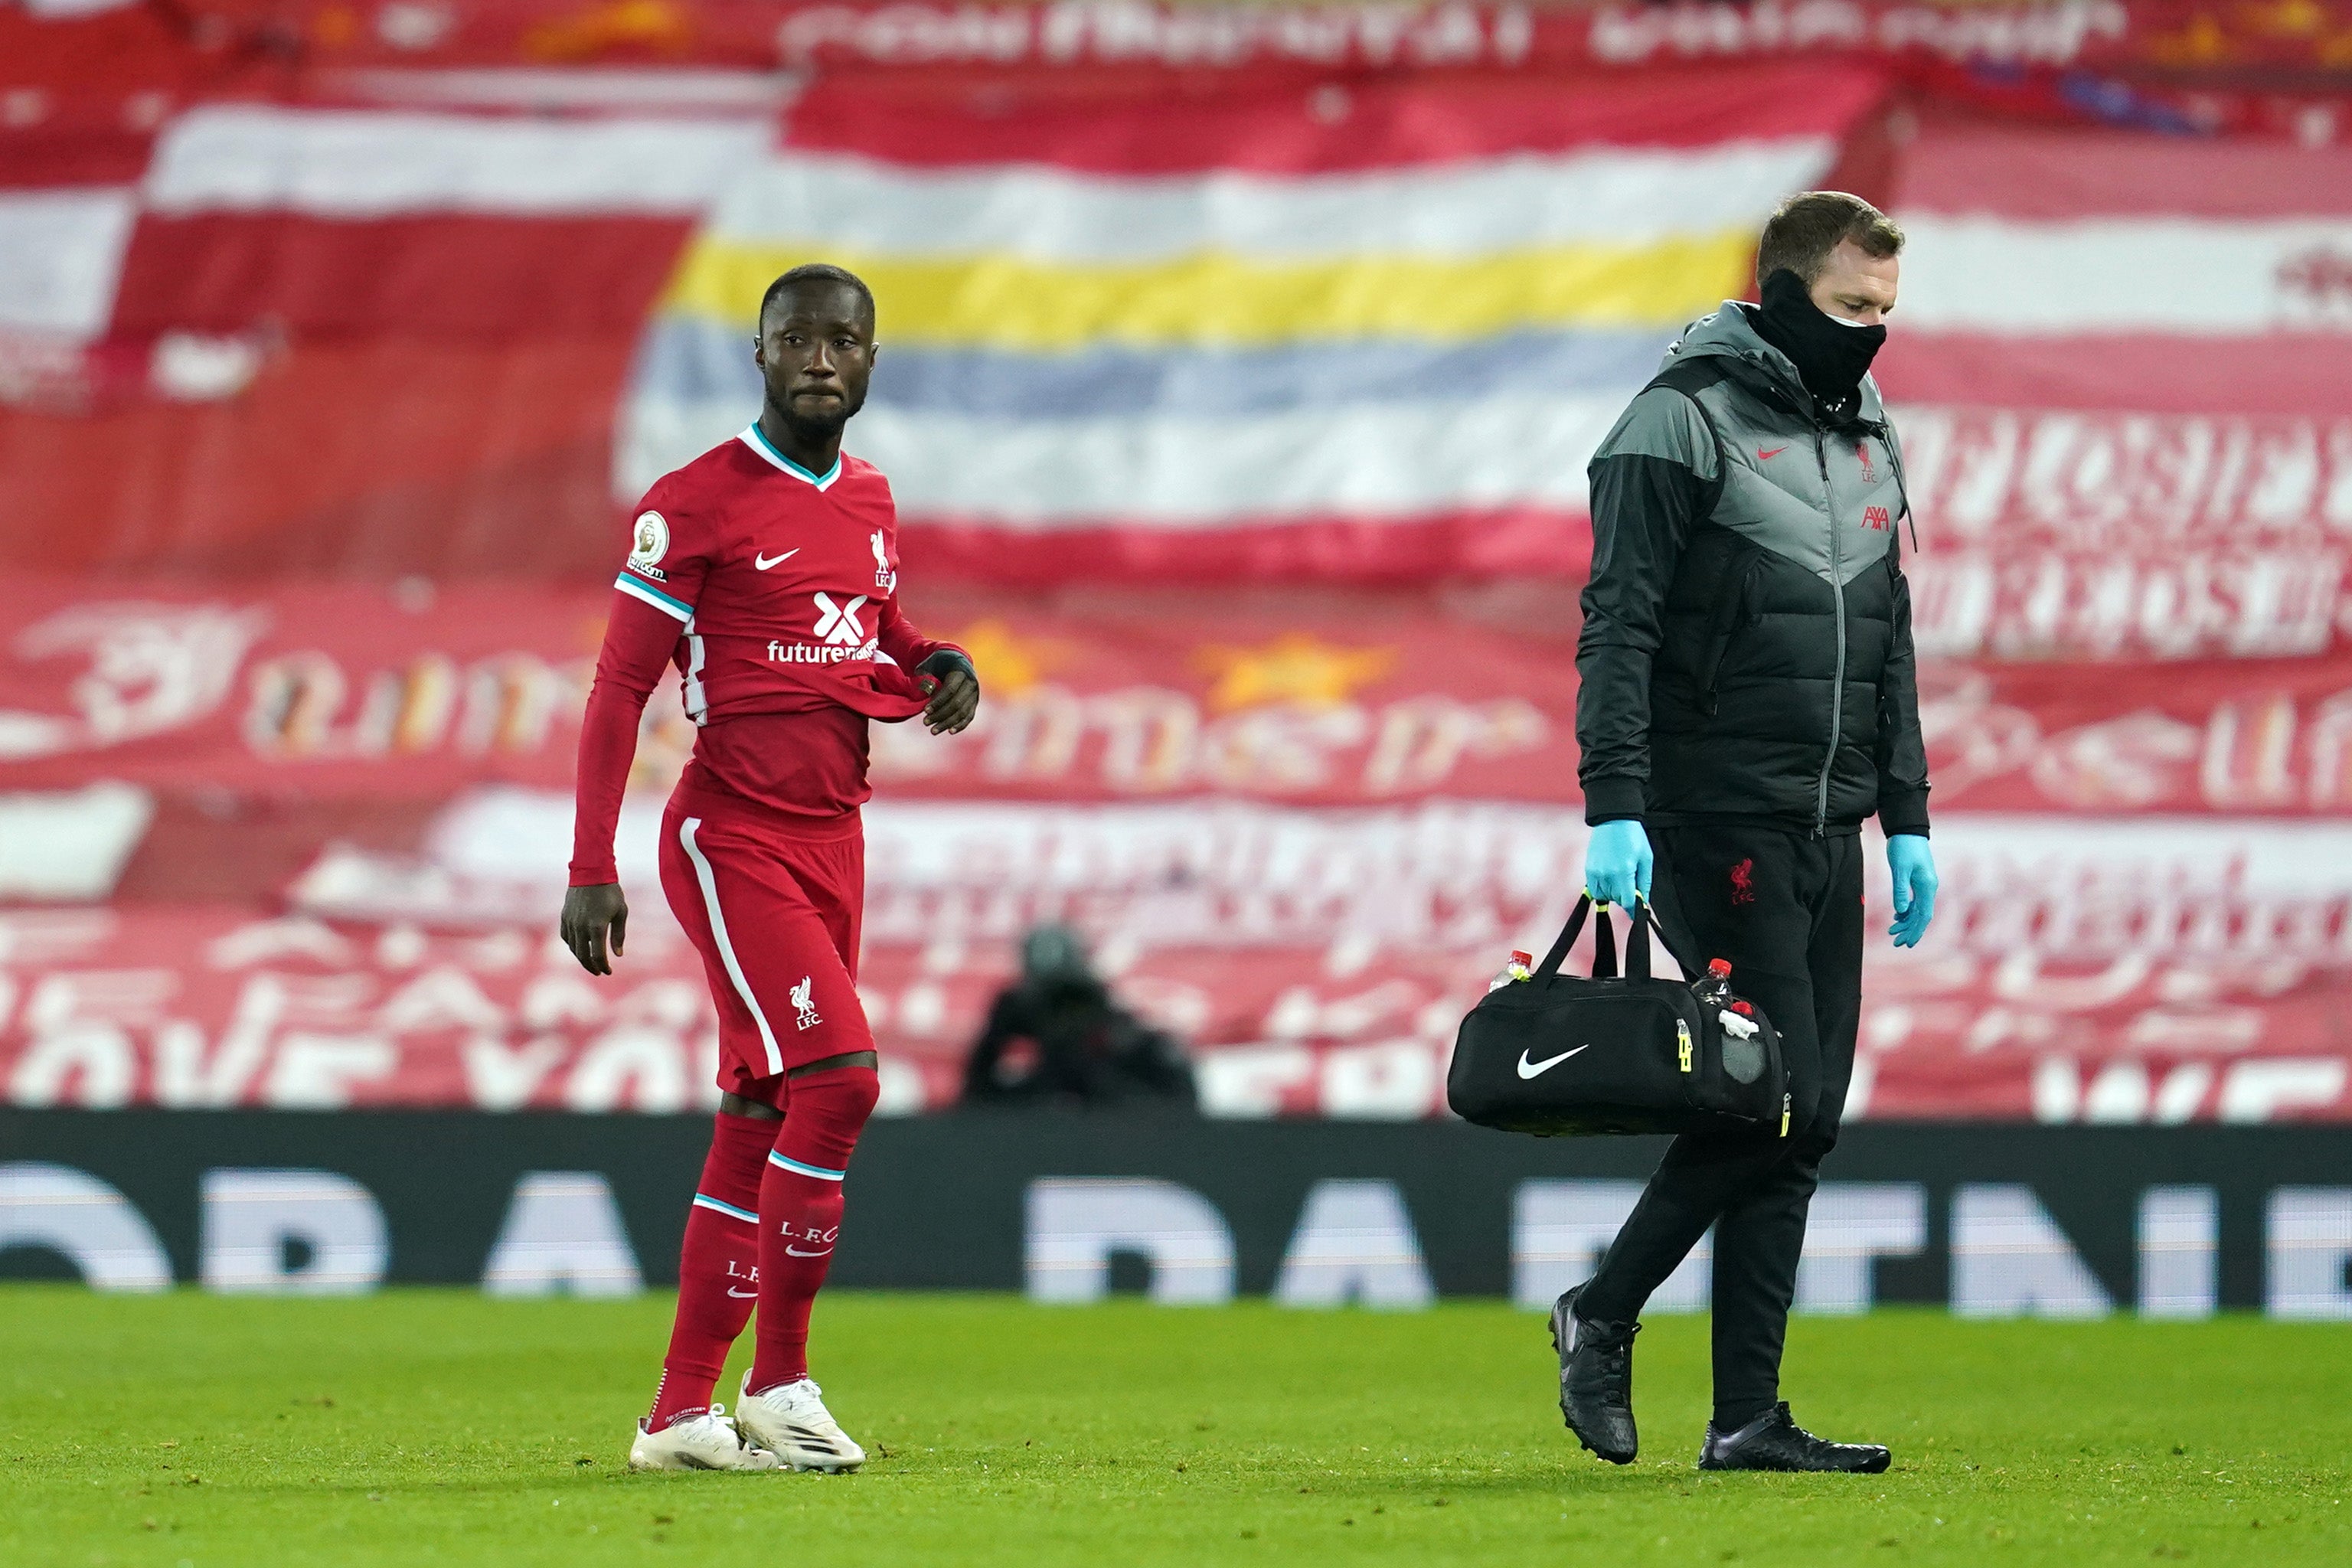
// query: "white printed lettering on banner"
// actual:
[[2041, 35], [1318, 961], [1452, 32], [1141, 740], [2261, 750], [307, 707], [400, 1022], [2101, 535], [1133, 31], [145, 669]]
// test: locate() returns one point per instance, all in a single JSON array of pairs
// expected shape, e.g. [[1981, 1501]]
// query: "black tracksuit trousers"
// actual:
[[1786, 909]]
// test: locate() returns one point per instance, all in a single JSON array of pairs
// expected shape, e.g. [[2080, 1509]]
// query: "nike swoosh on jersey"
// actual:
[[742, 1294], [796, 1252], [1764, 456], [761, 563], [1537, 1070]]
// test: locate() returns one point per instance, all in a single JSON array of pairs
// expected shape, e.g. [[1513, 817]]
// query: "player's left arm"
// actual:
[[1902, 759], [1901, 748], [945, 669]]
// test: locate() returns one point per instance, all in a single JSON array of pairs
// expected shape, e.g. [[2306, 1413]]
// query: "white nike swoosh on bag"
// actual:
[[742, 1294], [761, 563], [1534, 1069], [796, 1252]]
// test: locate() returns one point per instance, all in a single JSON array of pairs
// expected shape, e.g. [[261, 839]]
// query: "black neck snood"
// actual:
[[1831, 355]]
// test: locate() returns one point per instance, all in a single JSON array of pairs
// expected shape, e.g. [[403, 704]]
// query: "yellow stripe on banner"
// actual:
[[1003, 302]]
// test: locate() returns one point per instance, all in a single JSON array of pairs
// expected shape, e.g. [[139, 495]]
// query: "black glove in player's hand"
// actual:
[[954, 691]]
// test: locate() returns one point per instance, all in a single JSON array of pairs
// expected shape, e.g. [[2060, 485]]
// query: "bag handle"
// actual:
[[1643, 923], [1604, 942], [1637, 943], [1568, 936]]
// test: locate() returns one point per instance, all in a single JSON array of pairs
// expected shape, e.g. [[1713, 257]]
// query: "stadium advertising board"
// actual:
[[1991, 1221]]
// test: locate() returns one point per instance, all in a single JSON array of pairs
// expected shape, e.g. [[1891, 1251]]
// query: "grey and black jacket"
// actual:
[[1746, 641]]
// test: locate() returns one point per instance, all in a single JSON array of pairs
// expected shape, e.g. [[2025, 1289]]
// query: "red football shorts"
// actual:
[[775, 919]]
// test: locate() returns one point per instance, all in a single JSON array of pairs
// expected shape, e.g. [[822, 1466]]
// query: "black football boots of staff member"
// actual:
[[1746, 698]]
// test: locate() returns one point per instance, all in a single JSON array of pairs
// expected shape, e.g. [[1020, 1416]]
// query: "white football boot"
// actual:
[[793, 1420], [706, 1441]]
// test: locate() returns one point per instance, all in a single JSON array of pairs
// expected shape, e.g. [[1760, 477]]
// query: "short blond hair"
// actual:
[[1804, 229]]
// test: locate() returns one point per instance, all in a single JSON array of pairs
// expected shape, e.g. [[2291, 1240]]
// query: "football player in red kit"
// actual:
[[767, 571]]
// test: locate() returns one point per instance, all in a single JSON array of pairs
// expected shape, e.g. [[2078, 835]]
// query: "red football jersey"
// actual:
[[773, 592], [783, 583]]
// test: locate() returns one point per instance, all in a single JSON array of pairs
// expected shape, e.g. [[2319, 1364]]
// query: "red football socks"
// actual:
[[718, 1268], [800, 1213]]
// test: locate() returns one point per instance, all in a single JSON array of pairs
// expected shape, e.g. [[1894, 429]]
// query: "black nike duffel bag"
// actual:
[[1557, 1054]]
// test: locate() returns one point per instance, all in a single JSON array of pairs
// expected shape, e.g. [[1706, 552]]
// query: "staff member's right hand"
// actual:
[[1617, 863], [588, 914]]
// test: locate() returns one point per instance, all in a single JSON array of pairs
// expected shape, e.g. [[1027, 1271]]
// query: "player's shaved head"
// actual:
[[815, 351], [817, 274]]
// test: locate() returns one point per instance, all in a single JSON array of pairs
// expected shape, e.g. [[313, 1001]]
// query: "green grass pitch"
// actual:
[[441, 1427]]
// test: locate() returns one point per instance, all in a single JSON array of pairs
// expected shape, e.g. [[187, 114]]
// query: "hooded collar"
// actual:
[[1729, 333]]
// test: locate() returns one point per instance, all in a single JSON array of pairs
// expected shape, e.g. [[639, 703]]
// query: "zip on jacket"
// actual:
[[1837, 681]]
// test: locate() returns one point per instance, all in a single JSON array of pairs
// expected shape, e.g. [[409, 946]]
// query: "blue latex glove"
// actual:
[[1617, 863], [1913, 865]]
